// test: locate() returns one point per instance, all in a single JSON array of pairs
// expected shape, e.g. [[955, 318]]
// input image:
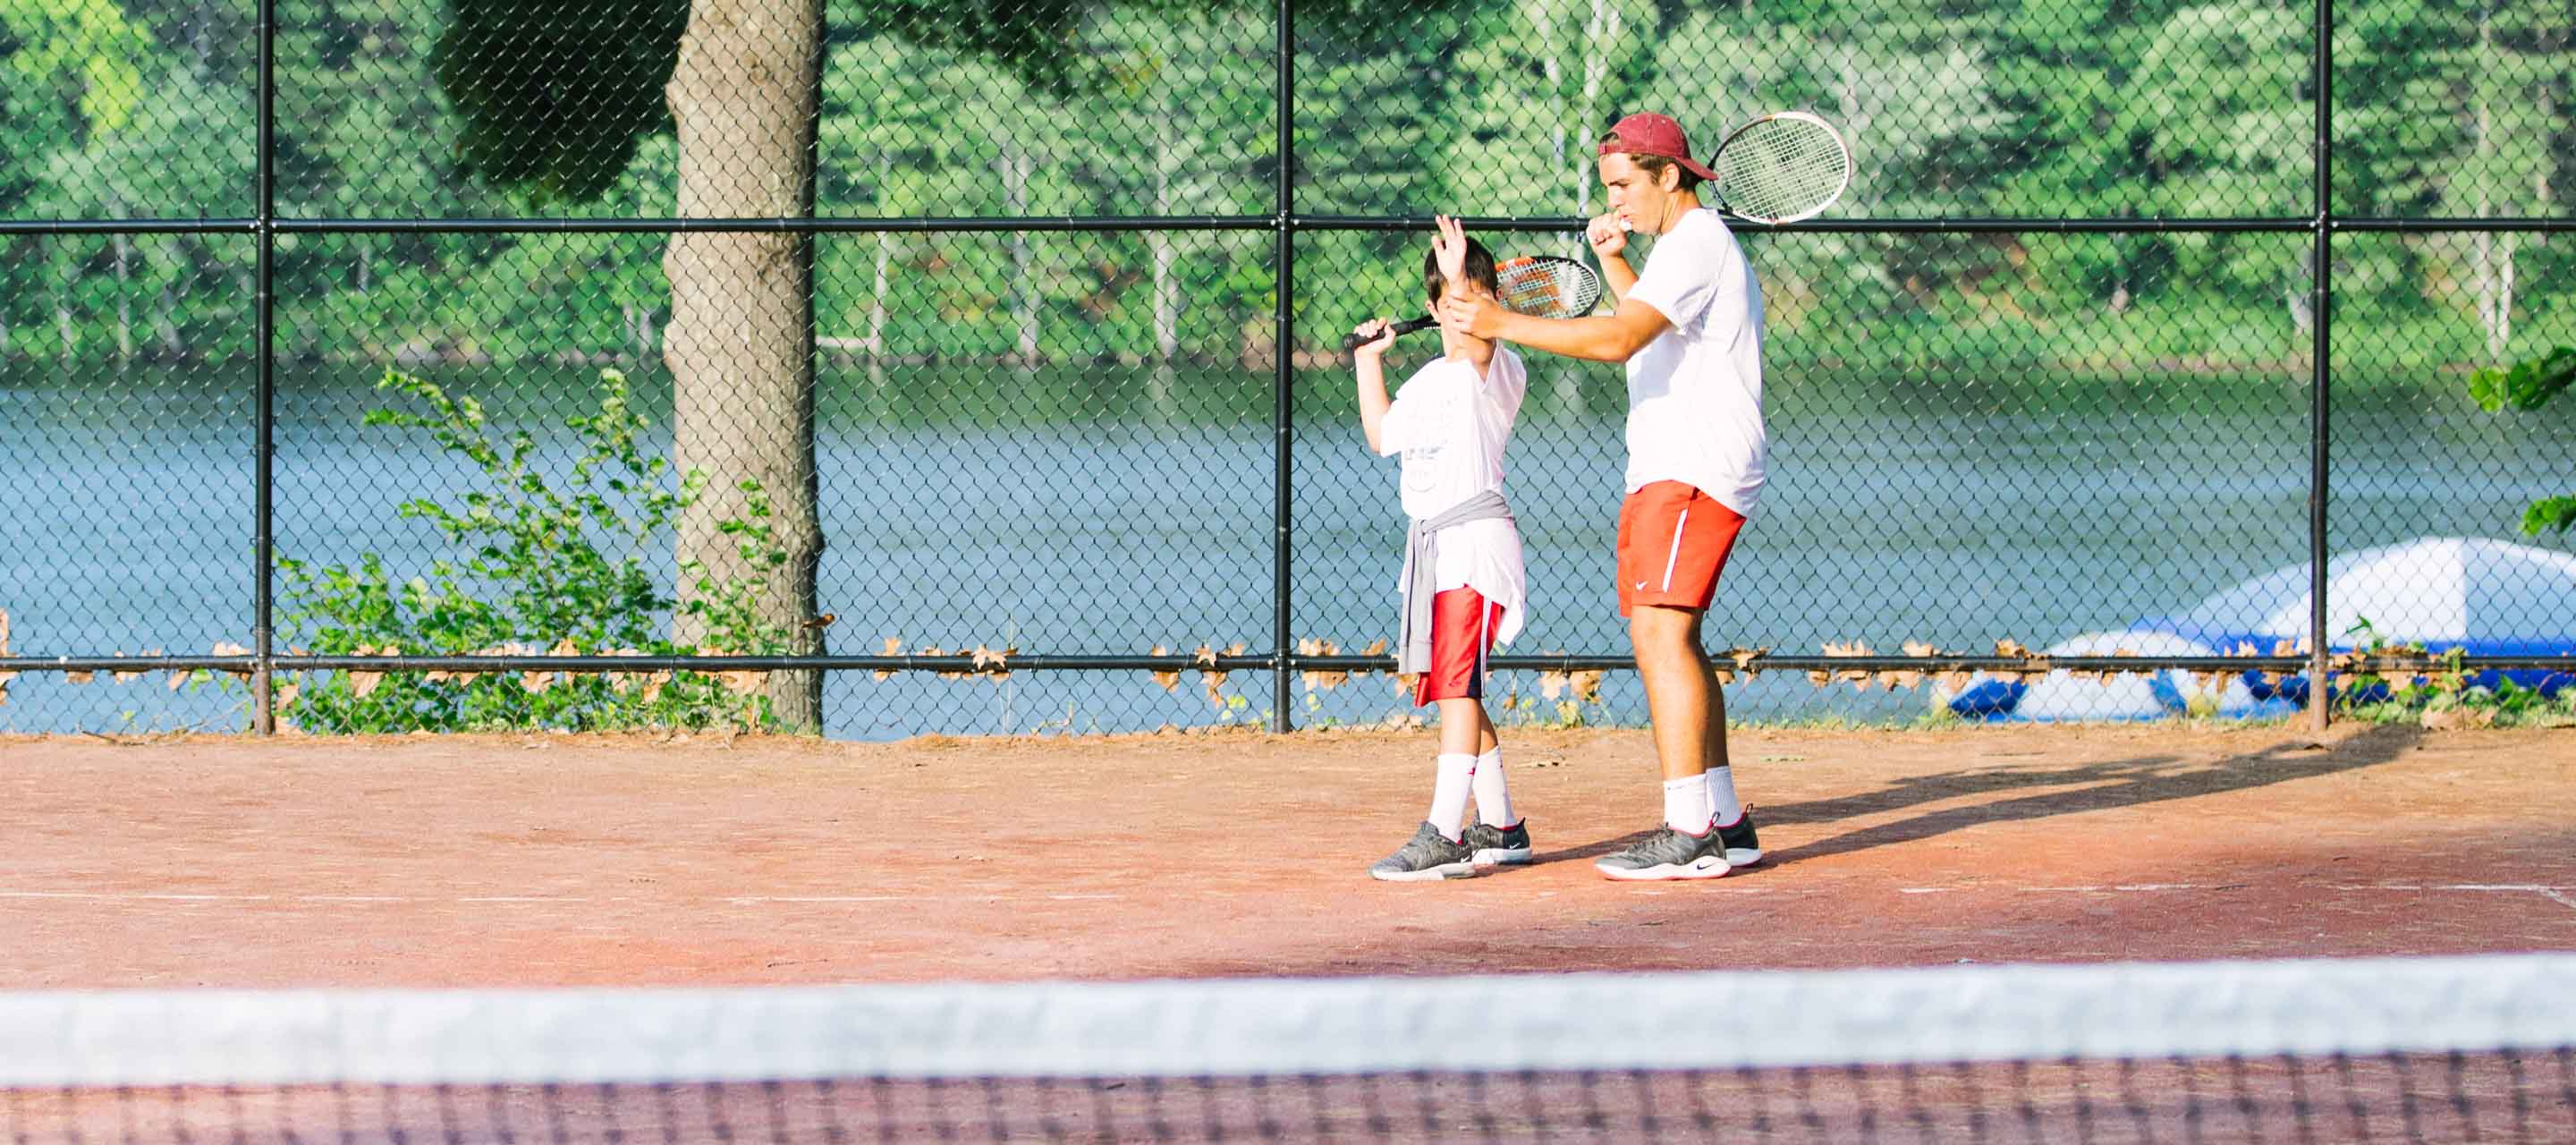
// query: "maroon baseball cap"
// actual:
[[1646, 133]]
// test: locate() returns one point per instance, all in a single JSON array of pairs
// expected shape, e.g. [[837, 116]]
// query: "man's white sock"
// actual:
[[1721, 795], [1686, 805], [1493, 800], [1449, 794]]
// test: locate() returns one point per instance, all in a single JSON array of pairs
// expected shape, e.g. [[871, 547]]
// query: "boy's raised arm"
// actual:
[[1367, 363]]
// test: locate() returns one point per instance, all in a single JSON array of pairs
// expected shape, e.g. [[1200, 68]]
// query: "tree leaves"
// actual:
[[2524, 385], [2528, 386]]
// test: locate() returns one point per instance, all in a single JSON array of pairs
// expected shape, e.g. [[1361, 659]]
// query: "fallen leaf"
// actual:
[[130, 677], [2460, 717], [1587, 686]]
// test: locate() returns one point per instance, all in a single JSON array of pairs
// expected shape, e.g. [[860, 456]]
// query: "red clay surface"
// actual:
[[522, 861]]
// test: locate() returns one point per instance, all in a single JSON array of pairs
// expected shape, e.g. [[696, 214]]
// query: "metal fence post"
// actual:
[[264, 320], [1284, 379], [2321, 351]]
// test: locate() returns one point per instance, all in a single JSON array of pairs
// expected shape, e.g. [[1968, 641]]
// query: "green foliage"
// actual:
[[553, 95], [2528, 386], [2524, 385], [542, 566], [81, 54], [2042, 108], [2447, 696]]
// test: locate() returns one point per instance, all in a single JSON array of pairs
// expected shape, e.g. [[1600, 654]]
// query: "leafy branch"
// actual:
[[2529, 386]]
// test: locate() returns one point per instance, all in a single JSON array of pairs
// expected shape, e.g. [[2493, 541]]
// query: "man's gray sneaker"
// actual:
[[1669, 854], [1428, 855], [1498, 846], [1742, 849]]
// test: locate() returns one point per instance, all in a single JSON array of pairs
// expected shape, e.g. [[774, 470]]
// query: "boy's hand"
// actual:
[[1450, 244], [1379, 334], [1609, 239]]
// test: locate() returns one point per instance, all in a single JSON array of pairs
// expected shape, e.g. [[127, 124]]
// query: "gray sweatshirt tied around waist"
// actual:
[[1421, 567]]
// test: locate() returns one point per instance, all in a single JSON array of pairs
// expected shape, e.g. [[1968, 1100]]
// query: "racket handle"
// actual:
[[1409, 325]]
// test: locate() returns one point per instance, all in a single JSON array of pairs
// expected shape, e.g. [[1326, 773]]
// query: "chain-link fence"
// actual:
[[984, 359]]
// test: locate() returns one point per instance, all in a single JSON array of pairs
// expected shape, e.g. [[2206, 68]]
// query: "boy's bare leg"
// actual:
[[1464, 728]]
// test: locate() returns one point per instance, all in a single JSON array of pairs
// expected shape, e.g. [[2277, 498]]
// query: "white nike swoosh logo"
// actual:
[[1641, 586]]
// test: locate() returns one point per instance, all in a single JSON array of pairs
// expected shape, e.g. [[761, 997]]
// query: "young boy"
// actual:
[[1463, 586]]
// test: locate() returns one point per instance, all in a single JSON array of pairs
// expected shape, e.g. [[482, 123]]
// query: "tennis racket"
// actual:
[[1539, 285], [1781, 168]]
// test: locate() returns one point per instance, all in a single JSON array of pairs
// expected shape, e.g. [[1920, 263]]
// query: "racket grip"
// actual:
[[1409, 325]]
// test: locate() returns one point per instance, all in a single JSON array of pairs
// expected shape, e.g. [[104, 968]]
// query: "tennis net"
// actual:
[[2453, 1049]]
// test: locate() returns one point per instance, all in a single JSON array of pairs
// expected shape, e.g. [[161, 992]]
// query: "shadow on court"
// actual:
[[2088, 787], [2057, 791]]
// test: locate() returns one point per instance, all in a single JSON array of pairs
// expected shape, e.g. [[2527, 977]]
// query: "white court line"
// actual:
[[2554, 894], [2559, 895], [734, 900]]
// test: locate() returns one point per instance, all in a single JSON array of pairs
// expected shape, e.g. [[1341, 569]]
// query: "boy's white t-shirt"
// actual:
[[1695, 392], [1451, 427]]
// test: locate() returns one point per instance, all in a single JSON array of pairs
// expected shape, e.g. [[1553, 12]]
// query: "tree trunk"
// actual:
[[173, 347], [2491, 255], [877, 310], [1599, 33], [1158, 244], [1560, 150], [202, 39], [740, 345], [1016, 173], [124, 248]]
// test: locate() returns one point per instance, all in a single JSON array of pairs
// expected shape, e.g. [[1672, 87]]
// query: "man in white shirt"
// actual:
[[1690, 332]]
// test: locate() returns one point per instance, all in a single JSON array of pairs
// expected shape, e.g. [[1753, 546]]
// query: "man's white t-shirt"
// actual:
[[1695, 392], [1451, 427]]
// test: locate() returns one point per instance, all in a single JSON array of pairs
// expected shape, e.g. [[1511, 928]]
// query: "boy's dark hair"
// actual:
[[1653, 165], [1479, 269]]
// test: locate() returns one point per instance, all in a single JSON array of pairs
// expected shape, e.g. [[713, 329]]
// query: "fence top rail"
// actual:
[[841, 224]]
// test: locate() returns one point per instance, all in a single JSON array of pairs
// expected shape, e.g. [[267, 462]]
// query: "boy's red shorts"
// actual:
[[1673, 543], [1462, 630]]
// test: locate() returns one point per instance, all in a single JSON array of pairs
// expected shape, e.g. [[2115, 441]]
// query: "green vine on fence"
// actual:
[[541, 565]]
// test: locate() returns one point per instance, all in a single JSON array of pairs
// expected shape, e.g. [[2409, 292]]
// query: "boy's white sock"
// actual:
[[1449, 794], [1493, 800], [1686, 805], [1721, 795]]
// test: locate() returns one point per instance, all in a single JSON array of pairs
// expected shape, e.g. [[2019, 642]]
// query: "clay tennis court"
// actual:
[[558, 860]]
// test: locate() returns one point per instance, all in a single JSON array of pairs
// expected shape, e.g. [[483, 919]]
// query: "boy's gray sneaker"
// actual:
[[1428, 855], [1498, 846], [1742, 849], [1669, 854]]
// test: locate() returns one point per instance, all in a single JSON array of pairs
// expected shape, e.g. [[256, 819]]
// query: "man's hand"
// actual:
[[1470, 314], [1609, 239], [1380, 335]]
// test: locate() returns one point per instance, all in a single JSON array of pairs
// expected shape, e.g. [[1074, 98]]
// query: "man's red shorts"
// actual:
[[1462, 630], [1673, 543]]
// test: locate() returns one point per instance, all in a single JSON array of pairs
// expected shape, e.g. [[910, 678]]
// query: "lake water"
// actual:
[[1106, 512]]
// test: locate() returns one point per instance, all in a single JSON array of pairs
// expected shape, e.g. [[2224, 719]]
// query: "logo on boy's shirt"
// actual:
[[1421, 464]]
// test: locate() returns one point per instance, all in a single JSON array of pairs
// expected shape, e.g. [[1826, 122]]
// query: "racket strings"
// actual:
[[1782, 168], [1547, 288]]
